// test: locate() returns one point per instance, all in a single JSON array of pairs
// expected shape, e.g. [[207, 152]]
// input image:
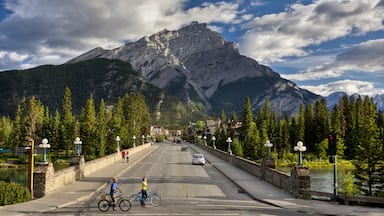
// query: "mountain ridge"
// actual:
[[195, 63]]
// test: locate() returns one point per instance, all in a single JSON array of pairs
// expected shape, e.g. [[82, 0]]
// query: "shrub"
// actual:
[[12, 193]]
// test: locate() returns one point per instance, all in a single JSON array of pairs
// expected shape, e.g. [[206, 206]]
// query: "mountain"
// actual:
[[196, 65], [101, 78], [334, 99]]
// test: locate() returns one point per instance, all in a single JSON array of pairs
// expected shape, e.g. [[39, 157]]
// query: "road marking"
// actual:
[[233, 206]]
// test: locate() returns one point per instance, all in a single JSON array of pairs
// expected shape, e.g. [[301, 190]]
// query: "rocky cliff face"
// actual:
[[199, 66]]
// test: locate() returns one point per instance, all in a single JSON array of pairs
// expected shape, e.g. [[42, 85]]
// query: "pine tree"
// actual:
[[19, 132], [370, 149], [68, 123], [101, 129], [310, 128], [245, 131], [88, 127]]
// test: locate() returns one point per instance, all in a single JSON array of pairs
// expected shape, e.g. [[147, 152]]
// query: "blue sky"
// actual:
[[322, 45]]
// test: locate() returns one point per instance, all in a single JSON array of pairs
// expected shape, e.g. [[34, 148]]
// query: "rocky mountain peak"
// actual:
[[194, 64]]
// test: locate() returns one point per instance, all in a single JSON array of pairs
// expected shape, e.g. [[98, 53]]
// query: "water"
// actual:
[[17, 175], [321, 178]]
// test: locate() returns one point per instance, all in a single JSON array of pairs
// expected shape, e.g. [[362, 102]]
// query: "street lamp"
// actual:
[[229, 141], [77, 143], [117, 143], [45, 145], [269, 145], [134, 141], [205, 140], [300, 148], [213, 142], [142, 139]]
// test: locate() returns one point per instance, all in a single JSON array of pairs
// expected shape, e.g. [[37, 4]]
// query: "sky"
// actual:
[[323, 46]]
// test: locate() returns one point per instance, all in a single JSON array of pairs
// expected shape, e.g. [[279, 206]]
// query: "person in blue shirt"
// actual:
[[113, 191]]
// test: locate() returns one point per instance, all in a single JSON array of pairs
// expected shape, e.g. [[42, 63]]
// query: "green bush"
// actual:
[[12, 193]]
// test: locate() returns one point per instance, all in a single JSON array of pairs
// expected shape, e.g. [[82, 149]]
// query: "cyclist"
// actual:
[[113, 192], [144, 188]]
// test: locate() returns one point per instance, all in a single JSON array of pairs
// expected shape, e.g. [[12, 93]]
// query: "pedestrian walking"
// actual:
[[127, 157]]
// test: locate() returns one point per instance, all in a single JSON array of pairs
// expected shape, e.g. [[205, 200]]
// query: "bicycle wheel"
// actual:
[[125, 204], [135, 199], [103, 205], [155, 200]]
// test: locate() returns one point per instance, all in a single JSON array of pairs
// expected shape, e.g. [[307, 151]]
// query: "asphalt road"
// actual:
[[185, 189]]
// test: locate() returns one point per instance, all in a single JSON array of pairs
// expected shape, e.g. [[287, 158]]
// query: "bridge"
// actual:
[[218, 188]]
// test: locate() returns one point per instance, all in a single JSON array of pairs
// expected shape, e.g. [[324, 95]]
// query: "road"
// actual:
[[185, 189]]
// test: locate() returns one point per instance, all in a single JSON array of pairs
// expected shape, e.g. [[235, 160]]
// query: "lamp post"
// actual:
[[213, 142], [229, 141], [205, 140], [269, 145], [300, 148], [31, 162], [77, 143], [142, 139], [44, 145], [117, 143], [134, 141]]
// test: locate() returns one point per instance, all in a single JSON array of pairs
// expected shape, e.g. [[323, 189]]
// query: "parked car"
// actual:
[[198, 159]]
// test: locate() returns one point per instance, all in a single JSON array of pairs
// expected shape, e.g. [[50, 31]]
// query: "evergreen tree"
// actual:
[[68, 122], [310, 128], [19, 132], [247, 121], [370, 149], [101, 129], [115, 128], [223, 118], [234, 118], [88, 127], [321, 125]]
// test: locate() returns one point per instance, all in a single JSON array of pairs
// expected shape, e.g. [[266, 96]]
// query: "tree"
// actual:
[[245, 130], [19, 133], [68, 123], [34, 117], [88, 126], [370, 148], [5, 131], [101, 128]]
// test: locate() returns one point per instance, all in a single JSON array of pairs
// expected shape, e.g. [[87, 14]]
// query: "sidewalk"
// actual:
[[267, 193], [77, 191]]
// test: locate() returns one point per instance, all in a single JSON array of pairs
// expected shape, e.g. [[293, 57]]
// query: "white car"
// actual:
[[198, 159]]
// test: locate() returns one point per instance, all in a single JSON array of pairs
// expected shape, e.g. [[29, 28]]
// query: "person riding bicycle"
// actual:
[[113, 191], [144, 188]]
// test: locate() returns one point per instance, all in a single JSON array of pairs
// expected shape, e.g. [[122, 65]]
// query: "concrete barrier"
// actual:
[[47, 180], [296, 183]]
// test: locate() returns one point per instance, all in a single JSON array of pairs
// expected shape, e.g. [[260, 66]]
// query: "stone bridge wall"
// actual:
[[47, 180], [300, 178]]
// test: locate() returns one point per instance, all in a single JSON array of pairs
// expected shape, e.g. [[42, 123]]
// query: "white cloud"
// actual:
[[348, 86], [14, 56], [65, 28], [367, 57], [275, 36]]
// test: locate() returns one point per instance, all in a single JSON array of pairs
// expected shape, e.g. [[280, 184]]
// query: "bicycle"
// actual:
[[153, 198], [106, 202]]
